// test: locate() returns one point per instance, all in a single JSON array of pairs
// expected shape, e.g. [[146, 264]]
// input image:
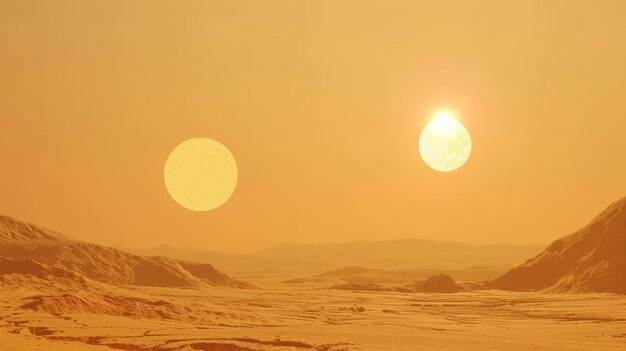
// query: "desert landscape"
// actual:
[[339, 175], [61, 294]]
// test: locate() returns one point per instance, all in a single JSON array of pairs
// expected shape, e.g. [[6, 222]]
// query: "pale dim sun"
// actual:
[[200, 174]]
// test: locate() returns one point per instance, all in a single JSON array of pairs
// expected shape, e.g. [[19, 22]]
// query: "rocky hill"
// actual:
[[24, 241], [593, 259]]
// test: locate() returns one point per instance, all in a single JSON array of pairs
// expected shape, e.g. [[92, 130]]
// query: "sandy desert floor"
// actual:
[[310, 317]]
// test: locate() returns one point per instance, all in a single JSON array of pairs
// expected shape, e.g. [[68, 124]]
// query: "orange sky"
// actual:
[[321, 103]]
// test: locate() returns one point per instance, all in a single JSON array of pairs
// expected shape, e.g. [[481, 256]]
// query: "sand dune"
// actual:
[[440, 283], [593, 259], [20, 240], [358, 274]]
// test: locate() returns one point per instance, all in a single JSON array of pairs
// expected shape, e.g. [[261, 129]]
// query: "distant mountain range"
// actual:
[[299, 259], [405, 253]]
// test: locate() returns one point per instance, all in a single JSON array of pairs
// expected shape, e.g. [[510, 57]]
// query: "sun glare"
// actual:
[[444, 123]]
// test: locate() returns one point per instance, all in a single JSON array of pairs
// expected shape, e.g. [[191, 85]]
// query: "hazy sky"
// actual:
[[321, 104]]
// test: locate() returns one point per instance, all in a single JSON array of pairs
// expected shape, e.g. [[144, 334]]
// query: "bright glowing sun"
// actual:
[[200, 174], [445, 144]]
